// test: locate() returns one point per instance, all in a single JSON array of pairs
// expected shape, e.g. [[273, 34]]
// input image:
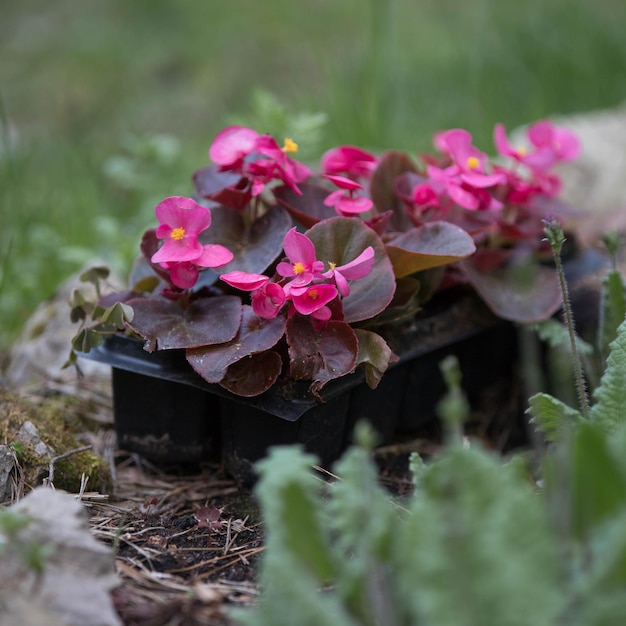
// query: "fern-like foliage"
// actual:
[[610, 397]]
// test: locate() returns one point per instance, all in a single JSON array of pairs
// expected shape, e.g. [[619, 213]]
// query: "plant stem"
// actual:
[[556, 239]]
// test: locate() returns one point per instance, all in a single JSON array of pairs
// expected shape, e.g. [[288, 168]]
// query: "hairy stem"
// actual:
[[556, 238]]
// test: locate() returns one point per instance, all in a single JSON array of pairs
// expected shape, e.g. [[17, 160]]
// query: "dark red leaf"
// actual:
[[428, 246], [255, 247], [342, 239], [320, 353], [307, 209], [521, 294], [383, 186], [253, 375], [255, 335], [223, 188], [166, 325]]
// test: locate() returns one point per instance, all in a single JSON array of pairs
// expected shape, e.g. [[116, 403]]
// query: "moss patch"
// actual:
[[55, 433]]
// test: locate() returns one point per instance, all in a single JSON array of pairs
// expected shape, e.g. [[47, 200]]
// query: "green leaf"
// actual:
[[303, 536], [147, 284], [118, 315], [77, 314], [374, 353], [610, 397], [551, 415], [293, 510], [477, 548], [556, 335], [94, 275], [87, 339], [597, 485], [612, 309], [425, 247], [361, 521]]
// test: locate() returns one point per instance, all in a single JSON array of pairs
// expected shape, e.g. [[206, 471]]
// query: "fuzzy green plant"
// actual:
[[477, 543]]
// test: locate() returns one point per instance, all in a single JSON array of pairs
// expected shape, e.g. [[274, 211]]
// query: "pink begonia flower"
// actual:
[[344, 200], [466, 196], [563, 142], [232, 145], [246, 281], [312, 300], [213, 255], [538, 159], [267, 300], [470, 161], [424, 196], [349, 160], [183, 275], [550, 145], [303, 265], [278, 165], [181, 220], [355, 269], [440, 140]]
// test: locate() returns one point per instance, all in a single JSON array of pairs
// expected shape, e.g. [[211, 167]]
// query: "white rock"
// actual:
[[73, 586]]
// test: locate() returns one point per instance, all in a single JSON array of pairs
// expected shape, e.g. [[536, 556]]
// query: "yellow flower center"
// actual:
[[298, 268], [312, 294], [177, 233], [522, 151], [332, 265], [472, 162], [290, 145]]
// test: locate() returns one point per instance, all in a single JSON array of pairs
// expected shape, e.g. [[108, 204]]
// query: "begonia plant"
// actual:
[[273, 271]]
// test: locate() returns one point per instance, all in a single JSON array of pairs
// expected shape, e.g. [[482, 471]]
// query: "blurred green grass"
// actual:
[[107, 107]]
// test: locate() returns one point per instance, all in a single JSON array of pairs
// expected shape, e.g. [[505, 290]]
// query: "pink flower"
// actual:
[[564, 143], [303, 265], [246, 281], [345, 201], [466, 180], [267, 300], [183, 275], [541, 159], [278, 166], [470, 161], [550, 144], [424, 196], [181, 220], [312, 300], [355, 269], [213, 255], [258, 158], [462, 193], [232, 145], [349, 160]]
